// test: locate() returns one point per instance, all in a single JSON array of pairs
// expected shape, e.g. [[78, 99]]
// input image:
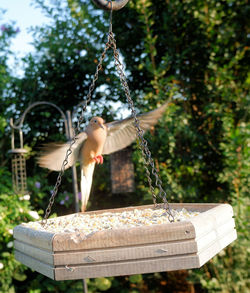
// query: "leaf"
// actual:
[[19, 276]]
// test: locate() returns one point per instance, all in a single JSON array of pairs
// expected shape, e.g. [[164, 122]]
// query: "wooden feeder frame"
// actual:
[[143, 249]]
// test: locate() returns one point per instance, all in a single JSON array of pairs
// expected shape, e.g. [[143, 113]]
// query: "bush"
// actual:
[[14, 209]]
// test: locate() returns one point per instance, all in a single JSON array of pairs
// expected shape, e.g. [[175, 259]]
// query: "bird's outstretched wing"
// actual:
[[53, 154], [122, 133]]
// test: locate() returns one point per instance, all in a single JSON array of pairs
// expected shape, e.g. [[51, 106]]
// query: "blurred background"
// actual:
[[195, 53]]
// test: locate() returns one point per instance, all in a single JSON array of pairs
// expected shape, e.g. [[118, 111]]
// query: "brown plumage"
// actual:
[[98, 139]]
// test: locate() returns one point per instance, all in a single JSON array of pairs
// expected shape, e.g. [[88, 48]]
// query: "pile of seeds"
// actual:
[[90, 223]]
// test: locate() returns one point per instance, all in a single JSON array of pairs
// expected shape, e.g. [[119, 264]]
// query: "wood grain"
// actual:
[[144, 249], [36, 265]]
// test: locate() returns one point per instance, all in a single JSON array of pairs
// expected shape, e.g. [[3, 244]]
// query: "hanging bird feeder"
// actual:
[[70, 253], [124, 241], [122, 171], [18, 164]]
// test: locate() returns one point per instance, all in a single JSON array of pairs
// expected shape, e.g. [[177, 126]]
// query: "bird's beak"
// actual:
[[101, 125]]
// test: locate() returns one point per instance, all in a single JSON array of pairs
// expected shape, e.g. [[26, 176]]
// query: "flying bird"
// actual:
[[99, 138]]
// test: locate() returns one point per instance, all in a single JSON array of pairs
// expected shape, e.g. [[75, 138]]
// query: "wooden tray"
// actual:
[[144, 249]]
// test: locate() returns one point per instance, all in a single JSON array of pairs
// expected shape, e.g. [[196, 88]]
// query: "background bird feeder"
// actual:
[[122, 171], [19, 180], [18, 163]]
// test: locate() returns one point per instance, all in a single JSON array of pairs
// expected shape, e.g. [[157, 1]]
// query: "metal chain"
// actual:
[[147, 159], [76, 131]]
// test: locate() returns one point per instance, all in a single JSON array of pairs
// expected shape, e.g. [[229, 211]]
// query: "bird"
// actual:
[[98, 139]]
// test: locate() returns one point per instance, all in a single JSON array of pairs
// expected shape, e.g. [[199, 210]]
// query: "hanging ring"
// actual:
[[106, 5]]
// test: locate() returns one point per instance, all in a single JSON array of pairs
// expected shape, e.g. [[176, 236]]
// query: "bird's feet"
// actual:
[[98, 159]]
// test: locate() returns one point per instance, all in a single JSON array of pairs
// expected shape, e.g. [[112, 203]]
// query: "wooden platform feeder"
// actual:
[[144, 249]]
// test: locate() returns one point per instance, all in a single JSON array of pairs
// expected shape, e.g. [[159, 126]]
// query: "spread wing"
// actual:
[[122, 133], [53, 154]]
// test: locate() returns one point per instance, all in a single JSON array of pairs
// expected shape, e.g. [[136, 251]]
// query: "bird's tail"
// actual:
[[86, 183]]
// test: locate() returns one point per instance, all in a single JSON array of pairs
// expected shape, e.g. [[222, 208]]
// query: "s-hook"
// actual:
[[106, 5]]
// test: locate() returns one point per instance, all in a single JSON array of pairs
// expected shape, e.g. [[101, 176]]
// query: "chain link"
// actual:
[[146, 154]]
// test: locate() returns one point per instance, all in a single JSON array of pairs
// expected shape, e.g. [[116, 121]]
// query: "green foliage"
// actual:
[[14, 209], [102, 284], [7, 32], [135, 278]]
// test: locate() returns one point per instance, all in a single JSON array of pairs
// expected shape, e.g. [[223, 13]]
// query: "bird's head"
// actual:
[[97, 122]]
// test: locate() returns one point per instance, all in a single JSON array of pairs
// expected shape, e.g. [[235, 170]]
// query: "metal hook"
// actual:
[[106, 5], [21, 119]]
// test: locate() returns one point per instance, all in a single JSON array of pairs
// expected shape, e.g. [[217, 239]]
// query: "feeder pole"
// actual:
[[74, 173], [74, 180]]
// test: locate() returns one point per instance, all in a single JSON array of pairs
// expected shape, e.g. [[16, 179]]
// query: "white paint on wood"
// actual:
[[123, 237], [40, 239], [143, 249], [216, 247], [34, 264], [215, 234], [157, 264], [126, 253], [127, 267], [211, 219], [34, 252], [169, 263]]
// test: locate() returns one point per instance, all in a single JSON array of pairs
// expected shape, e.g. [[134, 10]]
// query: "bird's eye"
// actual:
[[95, 121]]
